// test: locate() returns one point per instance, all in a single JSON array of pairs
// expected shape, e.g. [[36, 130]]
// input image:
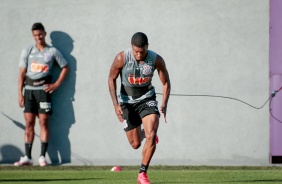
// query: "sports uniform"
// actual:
[[136, 104], [137, 95], [39, 65], [35, 64]]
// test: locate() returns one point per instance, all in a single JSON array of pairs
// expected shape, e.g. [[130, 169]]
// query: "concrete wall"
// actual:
[[211, 47]]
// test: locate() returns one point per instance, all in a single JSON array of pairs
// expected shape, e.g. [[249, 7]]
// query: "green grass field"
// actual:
[[157, 174]]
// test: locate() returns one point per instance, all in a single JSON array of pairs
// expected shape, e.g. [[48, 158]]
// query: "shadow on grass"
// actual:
[[48, 180], [171, 182], [239, 181], [258, 181]]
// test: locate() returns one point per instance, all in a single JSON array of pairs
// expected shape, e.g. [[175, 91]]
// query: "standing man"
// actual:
[[136, 105], [35, 65]]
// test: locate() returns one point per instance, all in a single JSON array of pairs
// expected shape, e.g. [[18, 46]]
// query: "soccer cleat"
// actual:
[[143, 178], [143, 136], [24, 161], [157, 139], [42, 161]]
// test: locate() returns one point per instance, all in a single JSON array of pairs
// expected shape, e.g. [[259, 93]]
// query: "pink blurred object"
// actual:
[[116, 169], [157, 139]]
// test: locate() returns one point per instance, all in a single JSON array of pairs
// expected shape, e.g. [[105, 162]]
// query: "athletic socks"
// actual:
[[28, 147], [143, 168], [44, 146]]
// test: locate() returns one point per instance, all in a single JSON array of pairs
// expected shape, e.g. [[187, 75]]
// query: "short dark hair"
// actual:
[[139, 39], [37, 26]]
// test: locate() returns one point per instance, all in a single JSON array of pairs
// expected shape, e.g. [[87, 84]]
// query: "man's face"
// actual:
[[39, 36], [140, 53]]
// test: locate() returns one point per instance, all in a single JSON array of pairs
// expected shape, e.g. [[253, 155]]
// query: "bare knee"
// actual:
[[29, 129], [44, 126], [29, 123], [29, 132], [43, 121], [135, 144], [151, 137]]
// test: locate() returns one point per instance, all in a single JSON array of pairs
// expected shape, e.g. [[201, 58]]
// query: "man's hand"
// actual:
[[163, 112], [50, 88], [21, 101], [119, 113]]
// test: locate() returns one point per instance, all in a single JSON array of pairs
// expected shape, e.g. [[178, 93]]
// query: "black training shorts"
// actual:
[[133, 113], [37, 101]]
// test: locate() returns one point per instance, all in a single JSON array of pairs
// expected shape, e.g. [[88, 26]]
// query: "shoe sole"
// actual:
[[43, 164], [23, 164], [139, 182]]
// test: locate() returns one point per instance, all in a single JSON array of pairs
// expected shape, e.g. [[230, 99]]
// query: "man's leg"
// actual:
[[29, 132], [44, 137], [150, 125], [28, 139], [133, 125], [134, 137], [44, 130]]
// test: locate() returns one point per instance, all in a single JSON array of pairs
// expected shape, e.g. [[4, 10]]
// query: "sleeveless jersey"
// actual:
[[39, 64], [137, 75]]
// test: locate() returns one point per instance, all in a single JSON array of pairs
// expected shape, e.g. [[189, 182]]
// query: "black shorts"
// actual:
[[37, 101], [133, 113]]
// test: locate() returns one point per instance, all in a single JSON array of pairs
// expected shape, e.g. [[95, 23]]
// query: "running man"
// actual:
[[136, 105], [34, 78]]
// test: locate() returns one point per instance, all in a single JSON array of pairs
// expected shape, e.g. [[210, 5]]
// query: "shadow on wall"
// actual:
[[9, 153], [63, 117]]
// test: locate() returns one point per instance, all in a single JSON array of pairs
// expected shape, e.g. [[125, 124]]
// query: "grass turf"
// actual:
[[157, 174]]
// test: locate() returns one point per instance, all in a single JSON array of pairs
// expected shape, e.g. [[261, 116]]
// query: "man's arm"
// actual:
[[114, 73], [50, 88], [21, 80], [164, 77]]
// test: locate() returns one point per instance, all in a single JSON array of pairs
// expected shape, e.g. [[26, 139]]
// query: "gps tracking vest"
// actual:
[[136, 78]]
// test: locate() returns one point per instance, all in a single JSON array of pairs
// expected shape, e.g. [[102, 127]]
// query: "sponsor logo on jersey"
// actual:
[[138, 80], [37, 67]]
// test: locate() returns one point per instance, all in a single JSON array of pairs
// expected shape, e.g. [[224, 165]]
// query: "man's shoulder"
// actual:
[[127, 52], [52, 49], [27, 50], [120, 56], [152, 51]]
